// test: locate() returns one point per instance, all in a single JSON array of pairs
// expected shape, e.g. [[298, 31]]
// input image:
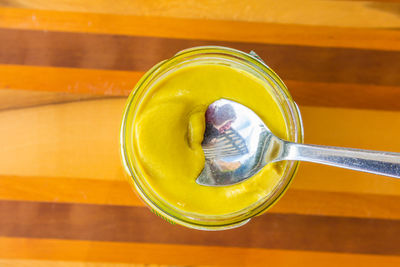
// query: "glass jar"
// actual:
[[206, 55]]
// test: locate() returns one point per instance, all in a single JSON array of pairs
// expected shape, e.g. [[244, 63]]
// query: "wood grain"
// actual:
[[16, 99], [68, 80], [81, 140], [46, 263], [136, 224], [308, 12], [64, 200], [67, 190], [200, 29], [345, 95], [116, 52], [90, 191], [27, 248], [385, 1], [87, 82]]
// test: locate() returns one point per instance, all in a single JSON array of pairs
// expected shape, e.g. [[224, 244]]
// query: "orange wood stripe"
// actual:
[[68, 190], [322, 203], [119, 193], [46, 263], [137, 224], [18, 263], [311, 12], [199, 29], [49, 249], [87, 82], [68, 80]]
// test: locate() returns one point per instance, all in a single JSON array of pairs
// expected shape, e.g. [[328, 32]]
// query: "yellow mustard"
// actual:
[[169, 128]]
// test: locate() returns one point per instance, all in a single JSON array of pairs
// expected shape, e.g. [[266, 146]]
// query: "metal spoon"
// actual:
[[237, 144]]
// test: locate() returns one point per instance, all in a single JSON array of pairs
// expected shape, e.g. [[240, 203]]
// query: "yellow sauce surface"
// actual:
[[169, 128]]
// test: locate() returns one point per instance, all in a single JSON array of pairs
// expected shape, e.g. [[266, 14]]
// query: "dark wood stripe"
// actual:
[[344, 95], [9, 3], [301, 63], [135, 224]]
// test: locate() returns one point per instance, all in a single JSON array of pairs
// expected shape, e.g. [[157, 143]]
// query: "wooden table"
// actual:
[[66, 68]]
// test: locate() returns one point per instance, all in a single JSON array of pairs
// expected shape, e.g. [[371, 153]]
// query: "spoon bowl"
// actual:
[[236, 144]]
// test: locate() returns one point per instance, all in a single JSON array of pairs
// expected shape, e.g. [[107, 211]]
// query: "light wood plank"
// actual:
[[81, 140], [194, 28], [365, 129], [13, 99], [47, 249], [78, 140], [308, 12]]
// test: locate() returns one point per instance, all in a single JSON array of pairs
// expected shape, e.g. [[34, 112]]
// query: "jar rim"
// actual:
[[187, 219]]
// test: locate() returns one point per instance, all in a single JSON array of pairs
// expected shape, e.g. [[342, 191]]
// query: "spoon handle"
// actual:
[[377, 162]]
